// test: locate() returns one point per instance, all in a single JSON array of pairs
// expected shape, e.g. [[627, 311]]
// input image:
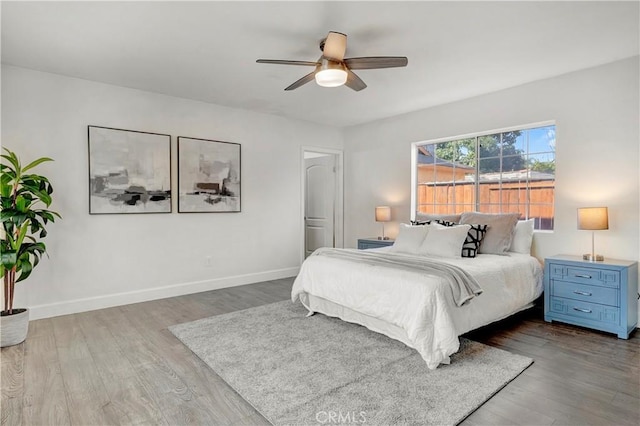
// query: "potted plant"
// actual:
[[23, 224]]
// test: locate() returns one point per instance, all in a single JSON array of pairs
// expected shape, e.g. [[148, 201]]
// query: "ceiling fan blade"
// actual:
[[373, 62], [354, 82], [304, 80], [334, 46], [286, 62]]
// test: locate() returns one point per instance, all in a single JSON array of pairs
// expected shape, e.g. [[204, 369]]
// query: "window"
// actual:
[[499, 172]]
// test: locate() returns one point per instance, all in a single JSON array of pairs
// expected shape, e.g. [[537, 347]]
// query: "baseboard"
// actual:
[[119, 299]]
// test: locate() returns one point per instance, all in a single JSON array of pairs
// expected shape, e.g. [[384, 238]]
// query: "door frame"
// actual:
[[338, 219]]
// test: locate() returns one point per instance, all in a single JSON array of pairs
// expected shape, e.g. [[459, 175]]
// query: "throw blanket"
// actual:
[[463, 286]]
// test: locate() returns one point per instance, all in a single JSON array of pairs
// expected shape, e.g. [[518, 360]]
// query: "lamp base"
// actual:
[[593, 257], [383, 238]]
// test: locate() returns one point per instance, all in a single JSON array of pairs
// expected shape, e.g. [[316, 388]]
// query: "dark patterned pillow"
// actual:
[[473, 241], [428, 222]]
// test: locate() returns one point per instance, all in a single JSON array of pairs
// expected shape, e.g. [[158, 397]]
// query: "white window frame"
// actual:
[[414, 157]]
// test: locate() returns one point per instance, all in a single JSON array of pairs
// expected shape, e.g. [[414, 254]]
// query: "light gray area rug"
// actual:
[[298, 370]]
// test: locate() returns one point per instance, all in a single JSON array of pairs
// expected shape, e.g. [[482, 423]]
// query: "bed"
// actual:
[[383, 290]]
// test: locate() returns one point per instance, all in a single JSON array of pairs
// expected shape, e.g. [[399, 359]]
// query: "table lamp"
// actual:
[[383, 214], [593, 219]]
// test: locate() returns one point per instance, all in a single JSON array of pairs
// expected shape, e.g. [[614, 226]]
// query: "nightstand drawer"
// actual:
[[371, 243], [586, 293], [585, 275], [585, 310]]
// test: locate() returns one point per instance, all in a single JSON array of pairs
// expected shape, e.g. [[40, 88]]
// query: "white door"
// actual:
[[320, 198]]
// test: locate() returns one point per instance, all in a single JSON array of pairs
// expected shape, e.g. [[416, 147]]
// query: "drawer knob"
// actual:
[[583, 276], [582, 293], [586, 311]]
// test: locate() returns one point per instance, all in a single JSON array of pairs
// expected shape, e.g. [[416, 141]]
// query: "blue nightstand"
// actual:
[[598, 295], [369, 243]]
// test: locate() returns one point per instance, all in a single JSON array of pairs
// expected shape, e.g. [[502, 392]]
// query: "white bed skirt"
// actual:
[[318, 304]]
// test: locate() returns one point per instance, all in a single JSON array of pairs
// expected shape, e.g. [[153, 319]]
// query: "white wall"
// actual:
[[597, 155], [103, 260]]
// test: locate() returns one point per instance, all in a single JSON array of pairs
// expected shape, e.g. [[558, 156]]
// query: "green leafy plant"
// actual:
[[23, 222]]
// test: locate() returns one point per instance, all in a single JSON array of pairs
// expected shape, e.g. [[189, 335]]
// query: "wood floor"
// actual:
[[122, 366]]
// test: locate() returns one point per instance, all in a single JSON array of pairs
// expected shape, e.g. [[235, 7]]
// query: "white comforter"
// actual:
[[422, 304]]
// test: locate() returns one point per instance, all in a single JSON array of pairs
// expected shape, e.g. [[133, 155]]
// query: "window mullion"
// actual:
[[500, 186], [477, 177]]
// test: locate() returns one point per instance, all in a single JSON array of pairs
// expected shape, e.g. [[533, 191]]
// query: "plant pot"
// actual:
[[14, 328]]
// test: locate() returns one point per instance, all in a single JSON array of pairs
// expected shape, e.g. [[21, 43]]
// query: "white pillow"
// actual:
[[444, 241], [409, 238], [522, 237]]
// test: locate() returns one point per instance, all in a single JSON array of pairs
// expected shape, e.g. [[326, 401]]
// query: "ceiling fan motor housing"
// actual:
[[329, 64]]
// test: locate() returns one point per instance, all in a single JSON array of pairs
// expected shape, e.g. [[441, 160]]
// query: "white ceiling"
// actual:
[[207, 50]]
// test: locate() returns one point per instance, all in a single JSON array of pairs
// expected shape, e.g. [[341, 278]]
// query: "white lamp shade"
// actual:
[[383, 214], [593, 218], [331, 77]]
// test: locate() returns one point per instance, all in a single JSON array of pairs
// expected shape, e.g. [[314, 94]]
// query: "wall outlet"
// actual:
[[208, 261]]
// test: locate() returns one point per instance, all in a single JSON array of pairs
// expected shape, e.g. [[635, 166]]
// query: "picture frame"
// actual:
[[209, 176], [129, 171]]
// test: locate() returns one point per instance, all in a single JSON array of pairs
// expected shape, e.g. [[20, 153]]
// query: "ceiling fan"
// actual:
[[333, 69]]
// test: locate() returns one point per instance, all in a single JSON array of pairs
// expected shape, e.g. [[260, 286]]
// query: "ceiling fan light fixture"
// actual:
[[332, 77], [330, 73]]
